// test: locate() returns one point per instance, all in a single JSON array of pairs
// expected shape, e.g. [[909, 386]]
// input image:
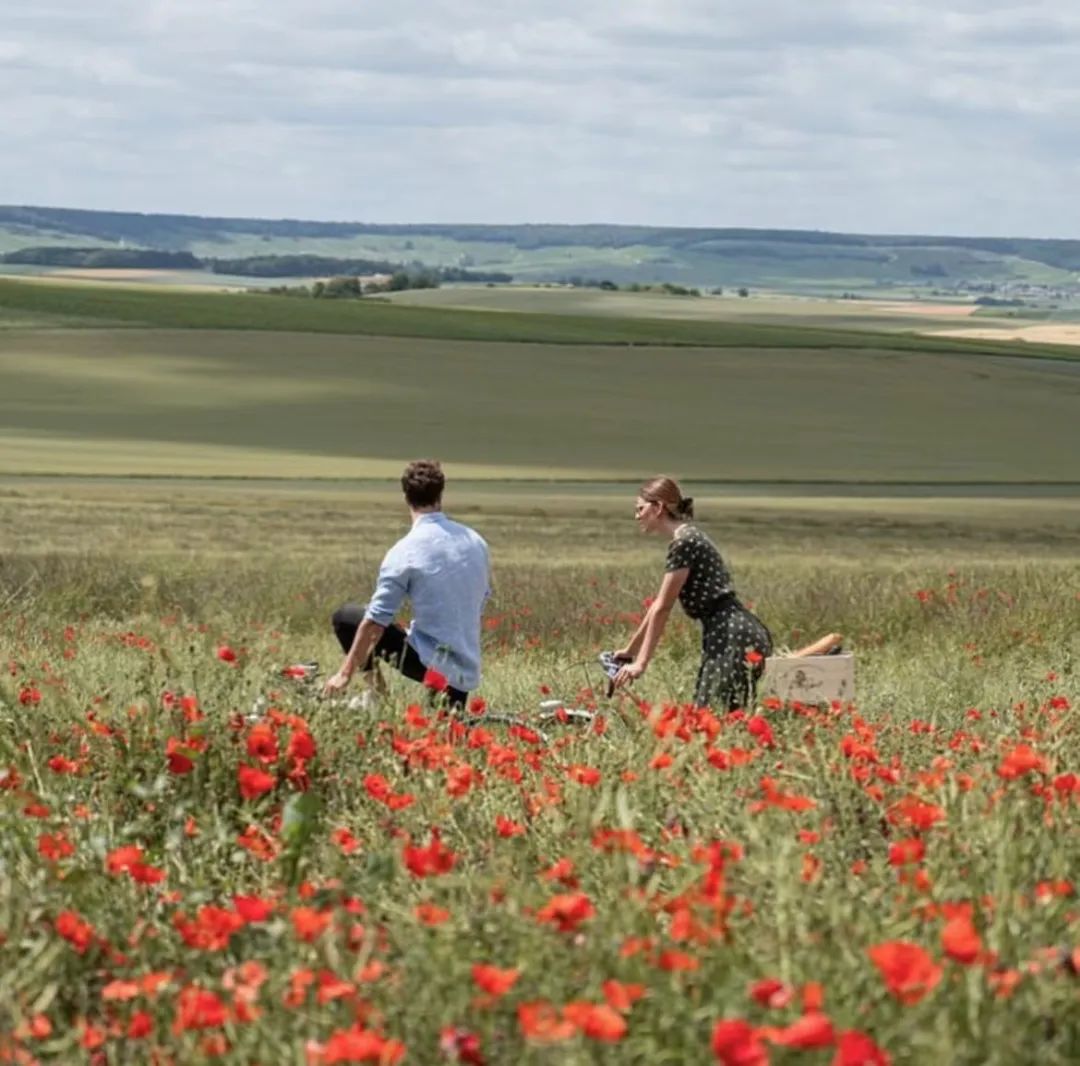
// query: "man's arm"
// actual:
[[391, 588]]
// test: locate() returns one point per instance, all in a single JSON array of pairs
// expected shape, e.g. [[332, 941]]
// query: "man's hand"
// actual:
[[337, 683], [629, 673]]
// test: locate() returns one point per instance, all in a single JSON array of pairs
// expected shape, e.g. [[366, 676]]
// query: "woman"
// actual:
[[734, 641]]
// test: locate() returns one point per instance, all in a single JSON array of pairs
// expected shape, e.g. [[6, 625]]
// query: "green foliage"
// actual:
[[103, 258]]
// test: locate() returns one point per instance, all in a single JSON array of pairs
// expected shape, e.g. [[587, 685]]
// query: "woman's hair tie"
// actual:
[[686, 507]]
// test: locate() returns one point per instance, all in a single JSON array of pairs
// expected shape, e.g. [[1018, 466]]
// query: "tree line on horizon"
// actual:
[[263, 266], [176, 232]]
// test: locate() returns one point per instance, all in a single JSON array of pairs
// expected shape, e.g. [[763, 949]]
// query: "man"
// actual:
[[442, 567]]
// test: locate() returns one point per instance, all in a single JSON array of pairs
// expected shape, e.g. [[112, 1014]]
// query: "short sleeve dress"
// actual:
[[727, 678]]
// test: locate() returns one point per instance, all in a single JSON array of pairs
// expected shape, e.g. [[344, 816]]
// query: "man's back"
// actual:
[[443, 568]]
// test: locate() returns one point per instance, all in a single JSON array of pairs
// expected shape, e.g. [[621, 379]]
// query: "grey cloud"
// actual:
[[946, 115]]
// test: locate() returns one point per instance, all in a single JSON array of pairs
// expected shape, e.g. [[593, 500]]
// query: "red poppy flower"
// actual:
[[253, 782], [622, 996], [566, 911], [262, 745], [198, 1008], [960, 940], [76, 931], [460, 1045], [905, 852], [597, 1021], [54, 846], [493, 980], [854, 1048], [430, 861], [810, 1031], [435, 681], [908, 971], [542, 1023], [507, 828], [431, 913], [309, 924], [253, 908], [226, 654], [735, 1042]]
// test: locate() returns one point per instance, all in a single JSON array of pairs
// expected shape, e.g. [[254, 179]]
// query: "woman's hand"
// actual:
[[624, 655], [629, 673]]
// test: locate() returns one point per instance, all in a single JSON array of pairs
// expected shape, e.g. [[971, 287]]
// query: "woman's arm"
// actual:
[[652, 627]]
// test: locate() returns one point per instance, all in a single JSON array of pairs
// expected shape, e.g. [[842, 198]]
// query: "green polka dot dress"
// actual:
[[726, 679]]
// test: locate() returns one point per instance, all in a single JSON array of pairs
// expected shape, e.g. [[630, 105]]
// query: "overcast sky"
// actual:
[[928, 116]]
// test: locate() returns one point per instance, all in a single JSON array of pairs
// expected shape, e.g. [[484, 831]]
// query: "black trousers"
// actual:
[[392, 648]]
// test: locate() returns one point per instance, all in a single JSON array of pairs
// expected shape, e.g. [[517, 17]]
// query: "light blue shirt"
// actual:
[[442, 567]]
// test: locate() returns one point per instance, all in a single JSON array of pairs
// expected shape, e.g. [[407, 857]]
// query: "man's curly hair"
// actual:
[[423, 483]]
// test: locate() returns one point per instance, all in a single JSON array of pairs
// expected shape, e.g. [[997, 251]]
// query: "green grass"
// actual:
[[185, 310], [293, 404]]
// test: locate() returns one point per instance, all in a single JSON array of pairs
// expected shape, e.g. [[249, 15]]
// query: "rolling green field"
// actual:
[[255, 403], [159, 307]]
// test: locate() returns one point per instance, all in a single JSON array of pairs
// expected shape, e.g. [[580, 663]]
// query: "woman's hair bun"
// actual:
[[686, 507]]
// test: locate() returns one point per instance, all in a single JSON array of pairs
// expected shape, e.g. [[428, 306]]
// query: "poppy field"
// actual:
[[202, 861]]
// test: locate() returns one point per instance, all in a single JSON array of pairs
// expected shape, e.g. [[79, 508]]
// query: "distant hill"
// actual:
[[791, 259]]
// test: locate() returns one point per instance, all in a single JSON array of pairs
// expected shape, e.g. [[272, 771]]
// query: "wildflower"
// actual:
[[541, 1023], [507, 828], [179, 757], [810, 1031], [301, 745], [493, 980], [676, 961], [584, 775], [120, 860], [597, 1021], [854, 1048], [77, 932], [253, 909], [1020, 760], [309, 924], [960, 940], [198, 1008], [566, 911], [345, 840], [435, 681], [430, 861], [210, 930], [905, 852], [141, 1025], [54, 846], [431, 913], [736, 1043], [770, 992], [622, 996], [262, 744], [460, 1045], [226, 654], [908, 971], [253, 782]]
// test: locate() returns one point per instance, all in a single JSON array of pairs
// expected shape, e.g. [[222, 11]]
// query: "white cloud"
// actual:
[[955, 116]]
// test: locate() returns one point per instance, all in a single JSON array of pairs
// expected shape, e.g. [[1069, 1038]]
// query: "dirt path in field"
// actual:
[[1047, 333]]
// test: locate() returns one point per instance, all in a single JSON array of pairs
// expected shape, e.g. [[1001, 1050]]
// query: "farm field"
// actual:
[[205, 862], [248, 403], [889, 881], [165, 308]]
